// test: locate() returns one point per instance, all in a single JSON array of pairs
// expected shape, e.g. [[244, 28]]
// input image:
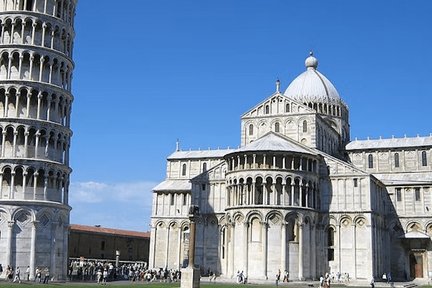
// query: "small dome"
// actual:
[[311, 61], [312, 86]]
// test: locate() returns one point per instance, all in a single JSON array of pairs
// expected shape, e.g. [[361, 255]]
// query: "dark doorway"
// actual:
[[416, 264]]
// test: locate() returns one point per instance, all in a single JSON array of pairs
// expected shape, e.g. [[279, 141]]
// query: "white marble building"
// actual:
[[36, 40], [299, 196]]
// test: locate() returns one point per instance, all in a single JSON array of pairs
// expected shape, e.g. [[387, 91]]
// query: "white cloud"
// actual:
[[125, 205]]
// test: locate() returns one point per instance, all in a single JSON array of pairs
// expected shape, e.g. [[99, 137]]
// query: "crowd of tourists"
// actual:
[[42, 274], [103, 272]]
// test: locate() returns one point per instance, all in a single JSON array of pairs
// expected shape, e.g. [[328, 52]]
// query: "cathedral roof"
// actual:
[[416, 178], [274, 142], [389, 143], [219, 153], [312, 86], [174, 185]]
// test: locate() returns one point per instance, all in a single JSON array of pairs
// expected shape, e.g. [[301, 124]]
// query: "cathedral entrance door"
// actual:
[[416, 264]]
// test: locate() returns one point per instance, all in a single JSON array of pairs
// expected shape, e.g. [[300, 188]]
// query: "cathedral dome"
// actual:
[[312, 86]]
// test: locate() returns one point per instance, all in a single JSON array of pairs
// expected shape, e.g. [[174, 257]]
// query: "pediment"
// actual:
[[277, 104]]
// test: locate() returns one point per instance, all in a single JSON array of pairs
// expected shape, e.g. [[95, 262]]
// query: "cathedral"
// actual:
[[299, 196]]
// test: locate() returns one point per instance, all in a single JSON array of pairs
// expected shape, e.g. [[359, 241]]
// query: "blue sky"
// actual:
[[149, 72]]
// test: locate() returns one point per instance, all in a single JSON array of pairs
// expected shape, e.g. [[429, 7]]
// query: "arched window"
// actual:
[[424, 158], [277, 127], [223, 236], [204, 167], [251, 129], [330, 237], [287, 108], [370, 161], [330, 243], [267, 109], [396, 159], [184, 170], [304, 126]]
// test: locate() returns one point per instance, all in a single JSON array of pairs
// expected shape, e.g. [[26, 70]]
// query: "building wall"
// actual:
[[104, 246]]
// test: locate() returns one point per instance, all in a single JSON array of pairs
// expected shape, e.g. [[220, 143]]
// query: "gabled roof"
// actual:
[[389, 143], [278, 96], [275, 142], [174, 185]]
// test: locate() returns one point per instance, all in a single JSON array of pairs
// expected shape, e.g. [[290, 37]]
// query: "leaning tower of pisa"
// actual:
[[36, 68]]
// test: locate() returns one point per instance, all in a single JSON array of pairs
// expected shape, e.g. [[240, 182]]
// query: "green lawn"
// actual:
[[124, 284]]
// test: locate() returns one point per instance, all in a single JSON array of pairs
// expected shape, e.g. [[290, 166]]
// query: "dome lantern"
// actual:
[[311, 62]]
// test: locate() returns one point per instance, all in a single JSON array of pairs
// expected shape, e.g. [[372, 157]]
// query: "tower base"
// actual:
[[190, 277]]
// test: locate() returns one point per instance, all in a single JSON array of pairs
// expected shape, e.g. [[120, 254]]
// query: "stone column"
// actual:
[[9, 243], [30, 75], [300, 260], [253, 193], [3, 141], [231, 248], [21, 57], [339, 246], [292, 192], [264, 249], [65, 248], [24, 184], [1, 185], [245, 247], [283, 194], [35, 177], [355, 250], [2, 33], [313, 248], [167, 245], [44, 26], [152, 244], [39, 99], [53, 269], [283, 247], [11, 39], [191, 274], [179, 236], [12, 185], [6, 105], [15, 134], [33, 250]]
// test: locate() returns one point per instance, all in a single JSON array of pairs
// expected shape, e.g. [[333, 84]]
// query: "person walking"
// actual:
[[47, 275], [28, 273], [278, 277], [17, 275]]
